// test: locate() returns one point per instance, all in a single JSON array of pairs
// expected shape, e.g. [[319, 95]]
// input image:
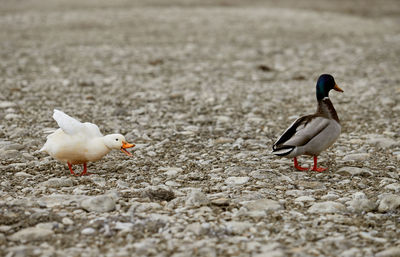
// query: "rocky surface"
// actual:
[[203, 89]]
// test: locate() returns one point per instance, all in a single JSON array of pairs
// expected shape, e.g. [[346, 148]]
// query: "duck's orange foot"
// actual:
[[318, 169], [70, 169], [315, 168], [297, 166], [84, 172]]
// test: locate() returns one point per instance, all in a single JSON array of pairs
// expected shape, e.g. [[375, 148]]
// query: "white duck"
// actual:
[[78, 143]]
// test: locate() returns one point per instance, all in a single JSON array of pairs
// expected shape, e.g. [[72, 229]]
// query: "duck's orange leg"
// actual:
[[297, 166], [315, 168], [70, 168], [84, 172]]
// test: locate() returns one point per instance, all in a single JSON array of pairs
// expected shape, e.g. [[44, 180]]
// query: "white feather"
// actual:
[[73, 126]]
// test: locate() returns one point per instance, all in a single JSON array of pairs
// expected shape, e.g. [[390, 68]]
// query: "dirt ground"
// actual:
[[203, 88]]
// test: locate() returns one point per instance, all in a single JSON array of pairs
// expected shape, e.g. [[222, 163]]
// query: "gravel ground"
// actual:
[[203, 89]]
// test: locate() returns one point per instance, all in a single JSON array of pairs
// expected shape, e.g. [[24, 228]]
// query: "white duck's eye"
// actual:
[[116, 139]]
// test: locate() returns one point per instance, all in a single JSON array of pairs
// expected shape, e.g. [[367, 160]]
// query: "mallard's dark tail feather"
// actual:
[[282, 151]]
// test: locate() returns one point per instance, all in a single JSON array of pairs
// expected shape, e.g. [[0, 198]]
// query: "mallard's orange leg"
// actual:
[[315, 168], [70, 169], [296, 165]]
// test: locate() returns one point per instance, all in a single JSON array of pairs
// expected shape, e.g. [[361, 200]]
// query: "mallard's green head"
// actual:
[[324, 84]]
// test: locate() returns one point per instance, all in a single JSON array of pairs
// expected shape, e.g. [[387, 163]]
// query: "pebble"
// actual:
[[99, 181], [237, 227], [31, 234], [382, 142], [88, 231], [170, 172], [360, 203], [394, 187], [123, 226], [356, 157], [388, 202], [304, 198], [102, 203], [390, 252], [195, 228], [354, 171], [58, 182], [233, 181], [327, 207], [22, 174], [67, 221], [3, 239], [330, 197], [259, 207], [197, 198]]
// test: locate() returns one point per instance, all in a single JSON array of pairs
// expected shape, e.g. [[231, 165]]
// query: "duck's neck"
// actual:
[[326, 109]]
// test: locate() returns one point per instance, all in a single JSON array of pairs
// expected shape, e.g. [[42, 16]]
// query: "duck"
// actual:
[[75, 142], [312, 134]]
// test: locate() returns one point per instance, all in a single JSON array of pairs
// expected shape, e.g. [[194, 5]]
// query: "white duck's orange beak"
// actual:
[[126, 145]]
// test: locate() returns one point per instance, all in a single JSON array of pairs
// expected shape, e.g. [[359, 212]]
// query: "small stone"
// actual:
[[382, 142], [144, 207], [160, 194], [5, 228], [67, 221], [262, 205], [327, 207], [236, 180], [221, 201], [122, 184], [388, 202], [99, 181], [3, 239], [223, 119], [58, 182], [238, 227], [88, 231], [102, 203], [330, 197], [360, 203], [394, 186], [356, 157], [271, 250], [22, 174], [391, 252], [223, 140], [123, 226], [354, 171], [170, 171], [260, 174], [311, 185], [304, 198], [32, 234], [172, 183], [196, 199], [195, 228], [7, 104]]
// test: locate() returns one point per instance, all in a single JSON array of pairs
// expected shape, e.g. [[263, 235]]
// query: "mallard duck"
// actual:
[[78, 143], [312, 134]]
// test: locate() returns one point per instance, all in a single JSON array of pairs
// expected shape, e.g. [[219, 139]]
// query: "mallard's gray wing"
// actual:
[[299, 133], [307, 131]]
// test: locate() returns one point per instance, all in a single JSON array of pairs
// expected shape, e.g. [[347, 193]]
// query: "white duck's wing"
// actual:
[[68, 124], [73, 126], [301, 132], [92, 130]]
